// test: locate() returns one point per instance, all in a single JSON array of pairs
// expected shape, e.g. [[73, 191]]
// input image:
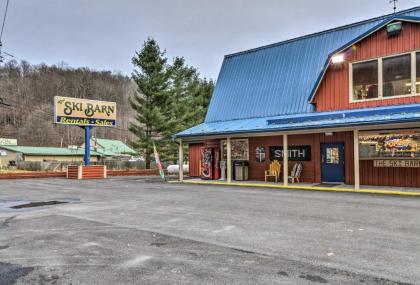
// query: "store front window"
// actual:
[[239, 149], [390, 144]]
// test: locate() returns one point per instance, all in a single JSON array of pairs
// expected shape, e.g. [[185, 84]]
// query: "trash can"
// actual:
[[241, 170]]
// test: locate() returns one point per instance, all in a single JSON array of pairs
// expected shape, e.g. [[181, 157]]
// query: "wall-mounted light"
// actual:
[[394, 29], [329, 134], [339, 58]]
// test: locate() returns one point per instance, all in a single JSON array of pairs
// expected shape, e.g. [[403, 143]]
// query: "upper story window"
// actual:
[[418, 73], [385, 77], [397, 75], [365, 80]]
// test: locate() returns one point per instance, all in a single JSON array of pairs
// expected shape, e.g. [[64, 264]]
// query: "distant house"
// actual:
[[111, 148], [9, 155]]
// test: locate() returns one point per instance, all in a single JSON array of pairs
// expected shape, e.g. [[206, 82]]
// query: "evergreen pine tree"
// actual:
[[189, 97], [201, 99], [150, 102]]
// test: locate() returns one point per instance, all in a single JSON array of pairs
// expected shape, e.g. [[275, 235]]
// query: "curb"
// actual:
[[305, 188]]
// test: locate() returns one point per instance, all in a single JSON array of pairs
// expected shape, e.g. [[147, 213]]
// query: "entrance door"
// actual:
[[332, 162]]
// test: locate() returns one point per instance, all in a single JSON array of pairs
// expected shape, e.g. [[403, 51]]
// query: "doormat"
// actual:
[[327, 184]]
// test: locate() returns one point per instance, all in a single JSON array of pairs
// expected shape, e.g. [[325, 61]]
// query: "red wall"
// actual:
[[333, 93], [194, 160], [311, 169], [388, 176]]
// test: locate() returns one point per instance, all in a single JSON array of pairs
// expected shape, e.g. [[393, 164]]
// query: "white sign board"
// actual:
[[4, 141], [3, 152]]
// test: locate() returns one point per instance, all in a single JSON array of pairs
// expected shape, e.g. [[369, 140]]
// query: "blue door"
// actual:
[[332, 162]]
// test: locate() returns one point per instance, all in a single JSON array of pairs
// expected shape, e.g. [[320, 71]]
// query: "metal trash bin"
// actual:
[[241, 170]]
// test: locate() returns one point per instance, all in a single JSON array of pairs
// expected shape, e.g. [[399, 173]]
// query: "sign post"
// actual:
[[87, 145]]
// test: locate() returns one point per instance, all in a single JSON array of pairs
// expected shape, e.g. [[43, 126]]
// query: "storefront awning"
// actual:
[[321, 120]]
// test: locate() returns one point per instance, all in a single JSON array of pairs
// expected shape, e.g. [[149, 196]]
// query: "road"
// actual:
[[142, 231]]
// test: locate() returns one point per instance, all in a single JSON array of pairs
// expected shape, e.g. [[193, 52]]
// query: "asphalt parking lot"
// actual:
[[142, 231]]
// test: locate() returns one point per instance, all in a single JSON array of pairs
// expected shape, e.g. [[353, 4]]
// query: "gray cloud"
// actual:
[[103, 34]]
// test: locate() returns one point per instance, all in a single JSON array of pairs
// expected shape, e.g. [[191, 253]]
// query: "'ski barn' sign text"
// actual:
[[396, 163], [82, 112]]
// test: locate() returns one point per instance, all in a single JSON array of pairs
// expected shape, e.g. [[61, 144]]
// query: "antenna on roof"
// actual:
[[395, 5]]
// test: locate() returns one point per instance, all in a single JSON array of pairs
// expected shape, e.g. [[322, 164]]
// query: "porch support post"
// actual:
[[285, 161], [356, 160], [181, 161], [229, 160]]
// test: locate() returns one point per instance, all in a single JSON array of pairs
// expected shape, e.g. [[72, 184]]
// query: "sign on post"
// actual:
[[83, 112], [9, 142]]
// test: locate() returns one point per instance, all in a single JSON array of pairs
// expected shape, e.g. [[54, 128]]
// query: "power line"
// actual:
[[4, 20], [11, 55], [2, 29]]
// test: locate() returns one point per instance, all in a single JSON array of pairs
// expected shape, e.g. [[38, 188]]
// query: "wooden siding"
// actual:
[[194, 155], [88, 172], [388, 176], [333, 93], [93, 172], [311, 169], [73, 172]]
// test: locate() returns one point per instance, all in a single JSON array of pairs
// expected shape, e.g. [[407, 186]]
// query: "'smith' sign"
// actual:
[[82, 112], [396, 163], [296, 153]]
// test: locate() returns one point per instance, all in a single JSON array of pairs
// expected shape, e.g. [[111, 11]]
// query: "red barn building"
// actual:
[[344, 103]]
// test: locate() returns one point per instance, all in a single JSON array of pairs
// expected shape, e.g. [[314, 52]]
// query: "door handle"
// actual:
[[322, 158]]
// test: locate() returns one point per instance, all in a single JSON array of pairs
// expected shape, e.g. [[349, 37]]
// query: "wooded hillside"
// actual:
[[30, 89]]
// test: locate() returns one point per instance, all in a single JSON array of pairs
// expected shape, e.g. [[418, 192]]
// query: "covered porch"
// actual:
[[332, 141]]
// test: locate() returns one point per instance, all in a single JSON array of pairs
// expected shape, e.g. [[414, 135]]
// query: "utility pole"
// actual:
[[2, 104]]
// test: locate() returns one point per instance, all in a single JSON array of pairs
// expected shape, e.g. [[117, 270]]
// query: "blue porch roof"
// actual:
[[279, 79], [319, 120]]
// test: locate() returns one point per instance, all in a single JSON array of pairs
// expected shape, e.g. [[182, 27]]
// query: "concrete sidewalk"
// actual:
[[382, 190]]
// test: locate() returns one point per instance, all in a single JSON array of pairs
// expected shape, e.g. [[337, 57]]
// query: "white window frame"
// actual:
[[380, 78]]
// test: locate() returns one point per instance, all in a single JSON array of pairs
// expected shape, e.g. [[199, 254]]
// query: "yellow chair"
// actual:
[[273, 171]]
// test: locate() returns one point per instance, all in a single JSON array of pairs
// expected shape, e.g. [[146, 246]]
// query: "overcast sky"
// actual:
[[104, 34]]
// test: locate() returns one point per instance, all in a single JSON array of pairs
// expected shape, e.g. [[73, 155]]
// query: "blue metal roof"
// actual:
[[318, 120], [278, 79]]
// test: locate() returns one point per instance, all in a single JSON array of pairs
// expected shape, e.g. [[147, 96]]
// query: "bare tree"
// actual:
[[30, 90]]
